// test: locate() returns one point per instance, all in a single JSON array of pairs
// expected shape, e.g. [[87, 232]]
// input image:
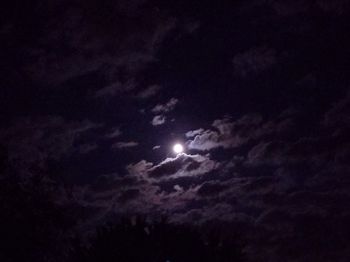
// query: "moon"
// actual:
[[178, 148]]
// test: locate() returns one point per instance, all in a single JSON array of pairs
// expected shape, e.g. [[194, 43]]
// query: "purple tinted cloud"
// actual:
[[254, 61], [122, 145], [158, 120], [165, 108]]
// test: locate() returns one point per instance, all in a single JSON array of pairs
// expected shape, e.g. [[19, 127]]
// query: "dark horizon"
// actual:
[[208, 113]]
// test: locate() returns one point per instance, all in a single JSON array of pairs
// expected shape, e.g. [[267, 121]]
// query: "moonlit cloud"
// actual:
[[148, 92], [114, 133], [223, 135], [183, 165], [194, 132], [90, 92], [254, 61], [121, 145], [226, 133], [158, 120], [87, 148], [115, 89], [169, 106], [34, 141], [140, 168], [79, 32]]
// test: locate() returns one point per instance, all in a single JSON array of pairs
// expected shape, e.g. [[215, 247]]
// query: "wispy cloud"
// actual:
[[165, 108], [122, 145], [158, 120]]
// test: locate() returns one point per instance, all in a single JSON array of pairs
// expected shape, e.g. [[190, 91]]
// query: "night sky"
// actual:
[[95, 94]]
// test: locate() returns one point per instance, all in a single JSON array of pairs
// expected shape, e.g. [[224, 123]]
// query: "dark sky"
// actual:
[[94, 94]]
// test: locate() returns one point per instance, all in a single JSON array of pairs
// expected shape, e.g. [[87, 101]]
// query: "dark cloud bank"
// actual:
[[257, 91]]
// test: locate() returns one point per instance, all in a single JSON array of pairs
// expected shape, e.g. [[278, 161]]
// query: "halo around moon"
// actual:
[[178, 148]]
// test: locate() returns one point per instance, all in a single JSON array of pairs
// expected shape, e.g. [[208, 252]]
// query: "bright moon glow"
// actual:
[[178, 148]]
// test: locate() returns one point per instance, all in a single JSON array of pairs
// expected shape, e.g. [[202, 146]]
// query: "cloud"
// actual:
[[269, 187], [163, 177], [115, 89], [148, 92], [194, 132], [158, 120], [267, 153], [229, 134], [292, 8], [34, 141], [192, 27], [122, 145], [182, 165], [169, 106], [114, 181], [254, 61], [211, 188], [285, 178], [87, 148], [289, 8], [206, 140], [156, 147], [114, 133], [338, 115], [280, 181], [129, 195], [98, 42], [178, 188], [338, 7], [139, 169], [226, 133]]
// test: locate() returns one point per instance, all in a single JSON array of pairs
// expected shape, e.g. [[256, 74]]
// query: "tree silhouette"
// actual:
[[32, 226], [136, 240], [35, 228]]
